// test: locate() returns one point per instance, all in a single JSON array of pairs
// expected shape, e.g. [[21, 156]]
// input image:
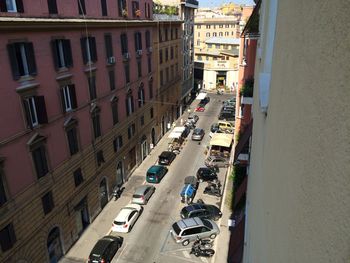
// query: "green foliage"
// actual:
[[165, 9], [247, 89]]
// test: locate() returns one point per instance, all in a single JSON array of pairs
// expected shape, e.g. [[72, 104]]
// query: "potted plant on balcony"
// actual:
[[138, 13], [125, 13], [247, 91]]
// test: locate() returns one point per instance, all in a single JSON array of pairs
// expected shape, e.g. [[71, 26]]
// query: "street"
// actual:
[[150, 239]]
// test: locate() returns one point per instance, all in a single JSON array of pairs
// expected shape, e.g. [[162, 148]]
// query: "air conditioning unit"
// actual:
[[126, 56], [139, 52], [111, 60], [149, 49]]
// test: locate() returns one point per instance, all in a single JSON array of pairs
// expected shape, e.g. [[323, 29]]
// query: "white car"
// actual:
[[126, 218]]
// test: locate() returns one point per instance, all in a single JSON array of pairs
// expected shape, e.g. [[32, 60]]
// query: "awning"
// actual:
[[201, 96], [243, 140], [177, 132], [221, 139]]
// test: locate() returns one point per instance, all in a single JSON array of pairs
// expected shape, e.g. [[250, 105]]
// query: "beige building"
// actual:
[[298, 181]]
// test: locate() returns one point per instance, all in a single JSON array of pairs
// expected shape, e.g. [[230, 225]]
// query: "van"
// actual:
[[155, 173], [224, 125]]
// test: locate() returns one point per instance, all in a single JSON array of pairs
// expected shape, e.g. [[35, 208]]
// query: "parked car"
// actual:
[[186, 132], [227, 115], [155, 173], [187, 230], [142, 194], [197, 134], [206, 174], [126, 218], [218, 161], [228, 108], [225, 125], [166, 158], [105, 249], [193, 118], [202, 211], [204, 101], [232, 101], [214, 127], [200, 107]]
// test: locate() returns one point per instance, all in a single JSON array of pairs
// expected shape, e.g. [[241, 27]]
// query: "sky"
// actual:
[[211, 3]]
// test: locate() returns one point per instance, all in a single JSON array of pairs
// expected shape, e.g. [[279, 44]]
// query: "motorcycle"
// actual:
[[202, 252], [203, 243], [117, 190], [212, 189]]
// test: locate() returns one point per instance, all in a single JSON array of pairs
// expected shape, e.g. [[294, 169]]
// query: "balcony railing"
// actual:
[[166, 17]]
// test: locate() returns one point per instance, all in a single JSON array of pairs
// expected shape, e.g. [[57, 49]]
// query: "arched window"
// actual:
[[129, 103]]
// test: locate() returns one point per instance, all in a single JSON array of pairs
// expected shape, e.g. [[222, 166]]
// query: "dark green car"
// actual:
[[155, 173]]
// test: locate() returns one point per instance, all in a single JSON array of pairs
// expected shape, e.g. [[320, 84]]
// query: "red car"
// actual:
[[200, 107]]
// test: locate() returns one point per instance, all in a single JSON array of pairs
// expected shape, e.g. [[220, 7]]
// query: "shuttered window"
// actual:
[[111, 76], [81, 7], [78, 177], [88, 48], [96, 124], [124, 43], [121, 7], [127, 72], [52, 5], [62, 53], [72, 140], [11, 6], [114, 107], [47, 201], [92, 87], [129, 103], [108, 45], [68, 98], [40, 161], [138, 41], [7, 237], [35, 111], [104, 7]]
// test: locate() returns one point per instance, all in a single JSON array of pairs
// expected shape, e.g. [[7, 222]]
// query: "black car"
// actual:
[[227, 116], [214, 127], [186, 132], [166, 157], [204, 101], [202, 211], [206, 174], [105, 249]]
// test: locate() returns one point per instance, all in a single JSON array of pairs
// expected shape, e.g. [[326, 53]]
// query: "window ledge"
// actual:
[[27, 86], [63, 76]]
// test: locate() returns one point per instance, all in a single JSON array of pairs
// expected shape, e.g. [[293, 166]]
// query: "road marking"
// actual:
[[186, 254], [204, 260]]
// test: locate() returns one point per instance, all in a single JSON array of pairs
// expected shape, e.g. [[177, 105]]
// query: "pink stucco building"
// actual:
[[76, 116]]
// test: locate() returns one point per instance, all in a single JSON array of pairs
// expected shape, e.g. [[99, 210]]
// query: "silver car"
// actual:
[[187, 230], [218, 161], [143, 194], [193, 118], [198, 134]]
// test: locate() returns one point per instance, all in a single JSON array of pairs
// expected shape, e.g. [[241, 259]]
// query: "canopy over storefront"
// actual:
[[221, 139], [177, 132]]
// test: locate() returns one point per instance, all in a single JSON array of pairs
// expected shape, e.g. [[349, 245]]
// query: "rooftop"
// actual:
[[221, 40]]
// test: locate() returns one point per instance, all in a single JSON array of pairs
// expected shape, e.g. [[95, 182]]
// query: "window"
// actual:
[[81, 7], [96, 126], [172, 53], [52, 6], [227, 33], [167, 74], [172, 72], [72, 140], [68, 98], [135, 9], [127, 72], [111, 77], [131, 130], [109, 47], [78, 177], [118, 143], [147, 10], [177, 69], [160, 35], [22, 59], [47, 201], [92, 87], [35, 111], [161, 78], [207, 34], [214, 34], [40, 161], [166, 34], [171, 33], [11, 6], [139, 68], [198, 26], [148, 39], [176, 51], [176, 33], [141, 98], [138, 41], [121, 7], [208, 26], [210, 45], [124, 43], [100, 158], [232, 33], [198, 42], [150, 88], [149, 63], [88, 48], [221, 26], [114, 107], [151, 113], [166, 54], [104, 7], [62, 53], [142, 120], [220, 34], [160, 56], [7, 237], [129, 103], [217, 46], [3, 198]]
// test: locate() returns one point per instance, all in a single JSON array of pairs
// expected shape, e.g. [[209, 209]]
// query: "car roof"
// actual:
[[194, 207], [166, 153], [125, 212], [141, 189], [155, 168], [197, 130], [100, 247], [189, 222]]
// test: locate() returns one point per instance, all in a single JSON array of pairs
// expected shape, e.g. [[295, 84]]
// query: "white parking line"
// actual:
[[204, 260], [186, 254]]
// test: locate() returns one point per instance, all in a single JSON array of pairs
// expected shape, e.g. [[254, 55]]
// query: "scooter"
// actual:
[[117, 190], [200, 252], [203, 243], [212, 190]]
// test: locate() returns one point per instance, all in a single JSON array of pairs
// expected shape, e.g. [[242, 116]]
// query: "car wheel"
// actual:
[[212, 236], [185, 242]]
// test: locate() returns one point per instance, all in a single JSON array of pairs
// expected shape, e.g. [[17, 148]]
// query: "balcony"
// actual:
[[165, 17], [165, 12], [247, 92]]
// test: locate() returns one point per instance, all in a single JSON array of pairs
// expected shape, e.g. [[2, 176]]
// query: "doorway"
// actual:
[[103, 193], [144, 148], [153, 135], [54, 246], [120, 174], [81, 216]]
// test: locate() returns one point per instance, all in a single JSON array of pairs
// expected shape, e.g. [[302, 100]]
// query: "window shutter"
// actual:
[[136, 41], [52, 6], [67, 53], [115, 145], [19, 5], [108, 45], [127, 108], [83, 49], [13, 60], [30, 58], [27, 113], [148, 44], [81, 7], [73, 97], [139, 100], [111, 79], [3, 6], [104, 7], [41, 109], [139, 40], [93, 50], [63, 103], [54, 53], [132, 103]]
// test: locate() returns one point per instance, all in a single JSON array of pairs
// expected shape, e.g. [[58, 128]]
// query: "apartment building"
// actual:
[[76, 116], [167, 40], [298, 184]]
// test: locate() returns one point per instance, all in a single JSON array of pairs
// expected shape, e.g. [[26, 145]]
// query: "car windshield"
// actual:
[[176, 228], [207, 223], [137, 196], [118, 223]]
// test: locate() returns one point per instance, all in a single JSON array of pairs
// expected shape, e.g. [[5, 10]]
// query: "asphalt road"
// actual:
[[150, 240]]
